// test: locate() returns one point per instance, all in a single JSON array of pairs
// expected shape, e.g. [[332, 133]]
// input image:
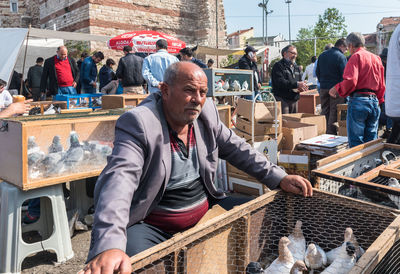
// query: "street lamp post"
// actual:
[[263, 5], [288, 5]]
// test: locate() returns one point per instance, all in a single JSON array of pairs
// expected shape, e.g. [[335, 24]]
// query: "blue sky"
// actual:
[[361, 15]]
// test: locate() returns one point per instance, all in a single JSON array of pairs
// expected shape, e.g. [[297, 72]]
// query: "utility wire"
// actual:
[[309, 15]]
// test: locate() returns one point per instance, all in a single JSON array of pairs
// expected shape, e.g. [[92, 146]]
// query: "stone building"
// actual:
[[19, 14], [193, 21]]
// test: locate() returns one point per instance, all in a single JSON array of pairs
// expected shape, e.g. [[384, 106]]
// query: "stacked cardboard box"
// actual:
[[241, 182], [295, 132], [307, 118]]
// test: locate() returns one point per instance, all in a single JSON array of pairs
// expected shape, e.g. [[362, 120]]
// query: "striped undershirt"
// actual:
[[185, 200]]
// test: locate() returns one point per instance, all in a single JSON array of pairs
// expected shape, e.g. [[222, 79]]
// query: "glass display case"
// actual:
[[229, 82]]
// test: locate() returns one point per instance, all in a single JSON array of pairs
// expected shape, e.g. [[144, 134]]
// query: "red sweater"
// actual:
[[364, 70], [63, 72]]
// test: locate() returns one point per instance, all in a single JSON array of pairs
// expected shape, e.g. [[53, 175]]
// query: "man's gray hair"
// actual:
[[286, 49], [328, 46], [171, 73], [356, 39]]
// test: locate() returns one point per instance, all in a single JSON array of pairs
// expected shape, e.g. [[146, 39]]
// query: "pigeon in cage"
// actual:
[[365, 168], [245, 85], [344, 261], [56, 145], [332, 254], [315, 257], [388, 156], [74, 154], [53, 163], [378, 162], [236, 85], [225, 86], [35, 157], [51, 110], [284, 263], [254, 268], [393, 182], [218, 85], [297, 242], [298, 267]]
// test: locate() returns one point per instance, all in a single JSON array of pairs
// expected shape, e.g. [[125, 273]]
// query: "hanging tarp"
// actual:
[[12, 40]]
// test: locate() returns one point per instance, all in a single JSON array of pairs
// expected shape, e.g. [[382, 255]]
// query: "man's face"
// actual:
[[1, 88], [343, 49], [291, 54], [183, 100], [184, 57], [62, 53], [96, 59]]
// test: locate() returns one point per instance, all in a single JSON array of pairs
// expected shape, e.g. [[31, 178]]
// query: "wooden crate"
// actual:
[[251, 232], [344, 170], [308, 102], [121, 100], [16, 131], [224, 112]]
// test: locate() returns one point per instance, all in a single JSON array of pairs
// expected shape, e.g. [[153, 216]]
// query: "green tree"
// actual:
[[327, 29]]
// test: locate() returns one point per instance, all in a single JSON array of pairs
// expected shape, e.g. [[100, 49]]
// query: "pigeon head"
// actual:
[[31, 142], [393, 182], [299, 266], [350, 249], [348, 233], [73, 139], [284, 241], [312, 248], [254, 268], [56, 140]]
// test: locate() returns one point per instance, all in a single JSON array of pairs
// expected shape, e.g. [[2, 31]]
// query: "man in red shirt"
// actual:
[[363, 81], [60, 74]]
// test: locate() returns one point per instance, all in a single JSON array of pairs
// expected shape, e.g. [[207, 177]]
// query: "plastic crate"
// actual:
[[80, 98]]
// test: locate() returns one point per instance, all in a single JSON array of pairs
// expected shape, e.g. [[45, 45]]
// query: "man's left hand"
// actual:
[[74, 84], [333, 92], [297, 185]]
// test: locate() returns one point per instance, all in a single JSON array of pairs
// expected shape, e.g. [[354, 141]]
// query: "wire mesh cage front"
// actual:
[[251, 233]]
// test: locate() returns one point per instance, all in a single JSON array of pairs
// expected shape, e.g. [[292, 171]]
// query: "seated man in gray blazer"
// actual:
[[159, 178]]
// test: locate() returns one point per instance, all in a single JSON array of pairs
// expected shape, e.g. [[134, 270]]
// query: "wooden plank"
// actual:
[[76, 110], [224, 112], [390, 173], [347, 152], [374, 254], [341, 161]]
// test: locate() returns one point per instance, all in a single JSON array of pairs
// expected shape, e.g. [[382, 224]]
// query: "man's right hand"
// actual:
[[302, 86], [107, 262]]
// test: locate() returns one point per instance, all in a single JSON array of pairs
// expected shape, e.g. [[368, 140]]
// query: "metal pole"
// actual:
[[23, 65], [216, 27], [290, 36], [263, 7]]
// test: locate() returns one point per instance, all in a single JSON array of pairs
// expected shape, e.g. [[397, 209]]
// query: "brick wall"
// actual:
[[28, 13]]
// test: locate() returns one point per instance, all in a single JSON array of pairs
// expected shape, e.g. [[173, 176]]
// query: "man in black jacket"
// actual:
[[130, 72], [286, 80], [249, 61], [106, 73], [60, 74], [34, 78]]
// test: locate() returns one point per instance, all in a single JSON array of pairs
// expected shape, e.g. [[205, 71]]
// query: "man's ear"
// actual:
[[164, 88]]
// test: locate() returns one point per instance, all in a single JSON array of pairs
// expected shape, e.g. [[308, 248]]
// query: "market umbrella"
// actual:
[[145, 41]]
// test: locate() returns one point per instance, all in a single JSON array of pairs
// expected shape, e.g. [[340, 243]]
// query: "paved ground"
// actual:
[[45, 262]]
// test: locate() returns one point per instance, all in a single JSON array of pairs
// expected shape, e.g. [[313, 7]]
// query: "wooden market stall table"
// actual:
[[18, 185]]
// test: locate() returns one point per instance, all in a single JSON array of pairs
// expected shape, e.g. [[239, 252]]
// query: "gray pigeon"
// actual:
[[74, 154], [393, 182], [53, 163], [35, 156], [56, 145]]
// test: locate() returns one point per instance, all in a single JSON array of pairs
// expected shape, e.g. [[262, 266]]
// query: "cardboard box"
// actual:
[[342, 131], [308, 102], [244, 185], [295, 162], [307, 118], [342, 115], [295, 132], [263, 111], [235, 171], [260, 128]]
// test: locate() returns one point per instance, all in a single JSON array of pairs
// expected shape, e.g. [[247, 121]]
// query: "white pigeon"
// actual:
[[298, 267], [245, 85], [344, 262], [315, 257], [35, 157], [51, 110], [284, 263], [297, 242], [332, 254], [236, 85], [388, 156], [393, 182], [218, 86], [225, 86]]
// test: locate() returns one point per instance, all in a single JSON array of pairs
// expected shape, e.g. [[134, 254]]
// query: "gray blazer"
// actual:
[[138, 170]]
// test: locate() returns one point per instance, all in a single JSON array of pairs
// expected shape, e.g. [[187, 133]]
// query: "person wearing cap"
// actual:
[[249, 61], [392, 92], [286, 80]]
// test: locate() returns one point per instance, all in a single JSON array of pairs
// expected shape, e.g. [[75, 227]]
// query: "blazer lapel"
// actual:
[[166, 146], [201, 146]]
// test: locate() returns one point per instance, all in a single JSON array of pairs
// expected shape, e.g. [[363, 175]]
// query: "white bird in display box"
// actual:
[[393, 182], [245, 85], [284, 263], [344, 262], [236, 85], [226, 85], [297, 242], [315, 257], [298, 267]]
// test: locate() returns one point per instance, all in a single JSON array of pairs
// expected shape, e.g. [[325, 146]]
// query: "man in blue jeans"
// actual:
[[89, 72], [363, 81]]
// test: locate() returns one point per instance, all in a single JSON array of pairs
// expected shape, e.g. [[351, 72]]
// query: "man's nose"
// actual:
[[196, 97]]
